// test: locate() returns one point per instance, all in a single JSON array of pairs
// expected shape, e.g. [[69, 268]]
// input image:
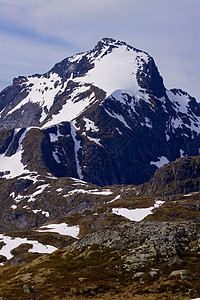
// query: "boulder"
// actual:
[[182, 274], [29, 289]]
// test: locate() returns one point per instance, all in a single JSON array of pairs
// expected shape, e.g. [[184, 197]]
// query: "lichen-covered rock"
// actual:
[[29, 289], [146, 242], [182, 274]]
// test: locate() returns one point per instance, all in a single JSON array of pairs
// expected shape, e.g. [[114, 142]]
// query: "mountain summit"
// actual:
[[103, 116], [111, 66]]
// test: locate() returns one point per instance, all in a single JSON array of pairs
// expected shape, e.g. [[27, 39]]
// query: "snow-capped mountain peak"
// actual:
[[103, 116], [78, 82], [115, 68]]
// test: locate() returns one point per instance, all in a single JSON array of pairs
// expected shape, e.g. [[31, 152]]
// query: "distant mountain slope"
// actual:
[[103, 116]]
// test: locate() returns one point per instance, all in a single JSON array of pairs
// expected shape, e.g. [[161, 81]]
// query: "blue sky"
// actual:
[[36, 34]]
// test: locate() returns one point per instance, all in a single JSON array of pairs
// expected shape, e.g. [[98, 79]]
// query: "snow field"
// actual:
[[116, 70]]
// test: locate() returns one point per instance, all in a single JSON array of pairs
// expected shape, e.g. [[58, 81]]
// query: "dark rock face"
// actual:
[[5, 139], [15, 143], [153, 82]]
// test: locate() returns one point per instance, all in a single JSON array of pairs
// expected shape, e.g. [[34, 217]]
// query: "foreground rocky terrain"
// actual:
[[152, 260], [156, 258]]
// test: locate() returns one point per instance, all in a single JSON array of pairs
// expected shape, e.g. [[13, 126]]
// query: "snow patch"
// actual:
[[12, 243], [45, 213], [40, 189], [181, 153], [105, 192], [118, 117], [148, 123], [120, 133], [55, 156], [78, 181], [116, 198], [13, 163], [54, 136], [137, 214], [161, 162], [13, 206], [90, 126], [94, 140], [62, 229]]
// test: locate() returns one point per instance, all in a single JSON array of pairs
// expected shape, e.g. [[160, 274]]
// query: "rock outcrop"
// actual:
[[145, 241], [178, 177]]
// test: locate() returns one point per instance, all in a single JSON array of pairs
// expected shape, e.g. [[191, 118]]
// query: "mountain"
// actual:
[[103, 116], [99, 181]]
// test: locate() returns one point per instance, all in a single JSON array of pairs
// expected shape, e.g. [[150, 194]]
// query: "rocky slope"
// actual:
[[152, 260], [181, 176]]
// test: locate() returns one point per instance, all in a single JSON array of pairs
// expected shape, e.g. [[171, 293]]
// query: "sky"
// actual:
[[36, 34]]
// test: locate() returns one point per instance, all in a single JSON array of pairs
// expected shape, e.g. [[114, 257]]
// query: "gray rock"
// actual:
[[29, 289], [160, 239], [138, 274], [145, 242], [182, 274], [173, 261], [154, 272]]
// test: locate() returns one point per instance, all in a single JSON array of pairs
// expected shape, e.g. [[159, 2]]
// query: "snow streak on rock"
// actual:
[[77, 147]]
